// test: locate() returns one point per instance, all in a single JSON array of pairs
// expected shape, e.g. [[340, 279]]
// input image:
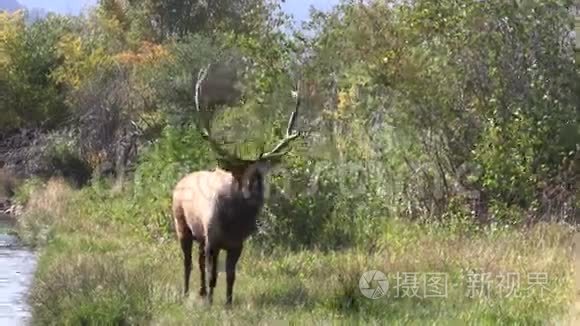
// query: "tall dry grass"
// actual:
[[46, 207]]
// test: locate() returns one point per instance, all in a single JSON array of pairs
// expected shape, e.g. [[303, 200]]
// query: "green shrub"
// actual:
[[178, 152]]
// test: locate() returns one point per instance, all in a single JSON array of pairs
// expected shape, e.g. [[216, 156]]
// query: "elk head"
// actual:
[[249, 174]]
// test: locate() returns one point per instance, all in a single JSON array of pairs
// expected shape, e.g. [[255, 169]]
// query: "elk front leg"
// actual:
[[231, 261], [211, 256], [201, 263]]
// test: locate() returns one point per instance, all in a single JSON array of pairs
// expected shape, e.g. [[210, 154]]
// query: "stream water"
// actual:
[[17, 266]]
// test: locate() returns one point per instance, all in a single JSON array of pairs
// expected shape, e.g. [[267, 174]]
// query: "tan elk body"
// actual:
[[218, 209]]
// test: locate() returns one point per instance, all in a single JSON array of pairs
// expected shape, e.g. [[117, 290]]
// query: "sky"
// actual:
[[60, 6], [298, 8]]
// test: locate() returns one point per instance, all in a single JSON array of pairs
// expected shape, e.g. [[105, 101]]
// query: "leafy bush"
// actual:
[[29, 98], [176, 153], [462, 83]]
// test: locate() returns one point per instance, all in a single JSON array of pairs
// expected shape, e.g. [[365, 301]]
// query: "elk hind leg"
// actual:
[[186, 241], [186, 246]]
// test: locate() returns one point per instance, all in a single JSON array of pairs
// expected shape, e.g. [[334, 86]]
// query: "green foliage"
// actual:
[[163, 20], [28, 55], [178, 152], [173, 77], [463, 83]]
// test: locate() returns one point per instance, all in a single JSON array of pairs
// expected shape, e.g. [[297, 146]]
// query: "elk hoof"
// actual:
[[202, 292]]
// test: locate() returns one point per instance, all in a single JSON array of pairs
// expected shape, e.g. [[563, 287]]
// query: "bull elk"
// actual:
[[218, 209]]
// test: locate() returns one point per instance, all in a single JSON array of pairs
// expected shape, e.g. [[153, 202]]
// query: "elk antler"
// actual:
[[291, 134], [224, 157]]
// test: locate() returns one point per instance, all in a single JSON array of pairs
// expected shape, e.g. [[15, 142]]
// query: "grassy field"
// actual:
[[100, 269]]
